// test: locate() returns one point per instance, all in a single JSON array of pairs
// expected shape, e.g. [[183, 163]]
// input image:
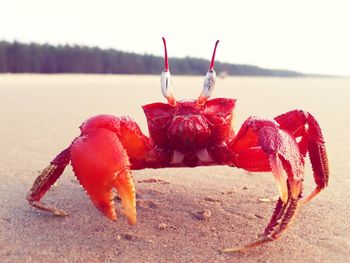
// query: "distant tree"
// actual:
[[17, 57], [3, 56]]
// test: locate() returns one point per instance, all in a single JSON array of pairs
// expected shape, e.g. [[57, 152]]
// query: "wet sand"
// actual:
[[40, 115]]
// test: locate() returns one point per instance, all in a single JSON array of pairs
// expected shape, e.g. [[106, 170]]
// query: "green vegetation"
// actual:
[[18, 57]]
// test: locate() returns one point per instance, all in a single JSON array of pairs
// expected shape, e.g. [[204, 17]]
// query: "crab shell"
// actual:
[[189, 126]]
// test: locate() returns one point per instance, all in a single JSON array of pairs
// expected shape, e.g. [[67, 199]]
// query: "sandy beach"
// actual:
[[40, 116]]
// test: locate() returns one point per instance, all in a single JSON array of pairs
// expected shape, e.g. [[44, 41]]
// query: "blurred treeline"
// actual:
[[18, 57]]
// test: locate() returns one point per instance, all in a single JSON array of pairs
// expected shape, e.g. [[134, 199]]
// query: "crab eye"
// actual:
[[210, 79], [208, 88], [165, 82], [165, 79], [209, 83]]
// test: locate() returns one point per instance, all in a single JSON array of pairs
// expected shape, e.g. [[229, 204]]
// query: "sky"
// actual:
[[303, 35]]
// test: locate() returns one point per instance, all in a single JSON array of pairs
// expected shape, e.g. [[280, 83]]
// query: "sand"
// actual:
[[40, 115]]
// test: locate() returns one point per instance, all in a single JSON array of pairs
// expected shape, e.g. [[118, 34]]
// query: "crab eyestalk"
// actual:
[[210, 79], [165, 79]]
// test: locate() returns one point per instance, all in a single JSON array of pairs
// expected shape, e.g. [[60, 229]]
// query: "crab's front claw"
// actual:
[[101, 163]]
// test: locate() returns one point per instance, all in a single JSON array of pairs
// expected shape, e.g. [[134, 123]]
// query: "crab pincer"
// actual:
[[100, 163]]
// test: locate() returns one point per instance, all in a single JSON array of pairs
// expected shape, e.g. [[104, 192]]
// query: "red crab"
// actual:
[[190, 133]]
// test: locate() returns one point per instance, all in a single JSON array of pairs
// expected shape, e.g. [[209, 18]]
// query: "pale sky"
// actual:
[[304, 35]]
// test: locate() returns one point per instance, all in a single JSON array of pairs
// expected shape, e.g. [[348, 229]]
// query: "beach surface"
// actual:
[[41, 114]]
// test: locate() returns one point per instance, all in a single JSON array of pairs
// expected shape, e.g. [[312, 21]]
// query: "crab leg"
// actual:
[[279, 222], [45, 180], [303, 124], [261, 146], [287, 204]]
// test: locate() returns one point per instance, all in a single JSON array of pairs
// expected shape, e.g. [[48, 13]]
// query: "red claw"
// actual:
[[99, 160]]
